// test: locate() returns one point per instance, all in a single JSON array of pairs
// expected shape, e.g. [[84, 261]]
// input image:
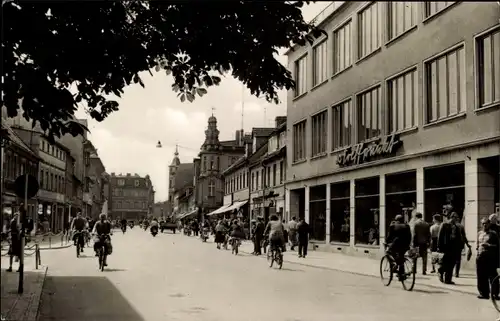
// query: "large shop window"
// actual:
[[340, 212], [317, 212], [366, 219], [400, 196], [444, 186]]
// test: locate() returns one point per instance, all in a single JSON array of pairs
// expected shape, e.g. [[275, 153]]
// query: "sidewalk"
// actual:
[[45, 242], [21, 307], [371, 267]]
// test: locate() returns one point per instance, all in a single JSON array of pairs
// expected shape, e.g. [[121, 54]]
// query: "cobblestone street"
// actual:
[[175, 277]]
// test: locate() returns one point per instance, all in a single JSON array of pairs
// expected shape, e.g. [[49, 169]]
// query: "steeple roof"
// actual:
[[176, 161]]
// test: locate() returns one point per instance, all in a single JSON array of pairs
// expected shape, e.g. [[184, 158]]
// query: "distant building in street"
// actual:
[[99, 183], [181, 188], [132, 196], [242, 185], [214, 157], [161, 209], [396, 112]]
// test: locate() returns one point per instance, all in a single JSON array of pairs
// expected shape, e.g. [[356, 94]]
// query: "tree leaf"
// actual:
[[183, 97], [201, 91]]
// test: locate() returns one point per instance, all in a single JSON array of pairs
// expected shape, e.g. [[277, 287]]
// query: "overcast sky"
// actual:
[[126, 140]]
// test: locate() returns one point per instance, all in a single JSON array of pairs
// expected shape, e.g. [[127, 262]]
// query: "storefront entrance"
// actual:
[[488, 186], [444, 186], [317, 212], [367, 203], [340, 212], [400, 196]]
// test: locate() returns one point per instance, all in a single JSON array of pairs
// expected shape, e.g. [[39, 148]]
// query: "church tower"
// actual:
[[210, 160], [172, 170]]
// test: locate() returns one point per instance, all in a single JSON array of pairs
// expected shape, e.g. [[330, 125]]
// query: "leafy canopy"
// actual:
[[97, 48]]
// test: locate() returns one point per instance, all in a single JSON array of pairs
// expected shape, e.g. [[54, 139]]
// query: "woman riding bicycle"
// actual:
[[276, 233]]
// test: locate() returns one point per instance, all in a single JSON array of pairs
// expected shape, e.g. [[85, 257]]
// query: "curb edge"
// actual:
[[35, 307]]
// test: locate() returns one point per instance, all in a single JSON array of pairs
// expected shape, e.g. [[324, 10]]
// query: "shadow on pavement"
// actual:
[[291, 270], [114, 270], [430, 291], [84, 298]]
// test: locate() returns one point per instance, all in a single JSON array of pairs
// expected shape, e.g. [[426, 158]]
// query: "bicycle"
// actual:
[[77, 237], [101, 251], [407, 275], [235, 244], [275, 254], [492, 297]]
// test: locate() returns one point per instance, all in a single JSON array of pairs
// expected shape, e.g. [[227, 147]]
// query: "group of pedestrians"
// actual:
[[294, 233], [446, 240]]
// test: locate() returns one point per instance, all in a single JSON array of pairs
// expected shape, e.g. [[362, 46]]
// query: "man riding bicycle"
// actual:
[[276, 233], [78, 225], [398, 242], [102, 230]]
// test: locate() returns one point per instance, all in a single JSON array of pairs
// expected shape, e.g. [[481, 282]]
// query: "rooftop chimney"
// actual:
[[128, 174]]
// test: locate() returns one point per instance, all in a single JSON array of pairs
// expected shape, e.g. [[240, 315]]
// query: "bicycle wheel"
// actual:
[[408, 280], [279, 259], [270, 257], [495, 302], [386, 271]]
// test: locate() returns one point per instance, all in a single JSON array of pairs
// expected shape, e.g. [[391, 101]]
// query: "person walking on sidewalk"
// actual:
[[449, 241], [259, 235], [292, 233], [15, 241], [303, 231], [487, 261], [421, 241], [438, 220]]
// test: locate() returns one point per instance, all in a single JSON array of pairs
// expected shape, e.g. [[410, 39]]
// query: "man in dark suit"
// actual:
[[398, 241], [421, 241], [449, 242]]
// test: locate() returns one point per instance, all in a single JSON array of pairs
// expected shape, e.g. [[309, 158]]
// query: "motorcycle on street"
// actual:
[[154, 230]]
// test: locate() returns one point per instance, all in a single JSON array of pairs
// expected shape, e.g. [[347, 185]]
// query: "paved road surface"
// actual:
[[174, 277]]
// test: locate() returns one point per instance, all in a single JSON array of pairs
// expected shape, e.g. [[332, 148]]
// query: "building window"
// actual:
[[263, 178], [319, 125], [121, 182], [342, 122], [299, 141], [137, 183], [368, 114], [342, 48], [274, 174], [320, 58], [252, 184], [212, 163], [268, 176], [445, 85], [433, 7], [488, 68], [257, 185], [281, 172], [301, 76], [402, 96], [43, 145], [211, 188], [50, 182], [369, 30], [401, 17]]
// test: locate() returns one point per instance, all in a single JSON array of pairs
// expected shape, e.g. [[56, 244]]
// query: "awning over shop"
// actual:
[[188, 214], [235, 206], [220, 210]]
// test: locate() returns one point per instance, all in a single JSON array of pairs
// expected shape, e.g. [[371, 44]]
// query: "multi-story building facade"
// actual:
[[51, 197], [99, 184], [181, 188], [17, 159], [214, 157], [132, 196], [161, 209], [396, 112], [243, 192]]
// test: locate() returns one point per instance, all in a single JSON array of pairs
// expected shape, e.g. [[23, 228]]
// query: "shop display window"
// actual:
[[317, 212], [340, 212], [367, 214], [444, 186], [400, 196]]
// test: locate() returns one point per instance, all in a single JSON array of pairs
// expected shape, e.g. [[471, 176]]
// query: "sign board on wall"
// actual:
[[363, 152]]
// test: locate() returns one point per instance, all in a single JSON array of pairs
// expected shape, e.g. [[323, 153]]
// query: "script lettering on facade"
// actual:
[[363, 152]]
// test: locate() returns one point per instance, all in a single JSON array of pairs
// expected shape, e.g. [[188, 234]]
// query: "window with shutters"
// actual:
[[319, 124], [488, 68], [299, 141], [369, 120], [402, 101], [342, 47], [342, 124], [320, 58], [433, 7], [401, 17], [445, 85], [281, 172], [369, 29], [301, 76]]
